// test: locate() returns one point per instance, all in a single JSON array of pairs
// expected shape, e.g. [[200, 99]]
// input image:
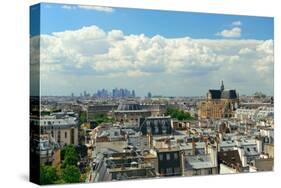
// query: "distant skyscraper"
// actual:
[[149, 95], [116, 93]]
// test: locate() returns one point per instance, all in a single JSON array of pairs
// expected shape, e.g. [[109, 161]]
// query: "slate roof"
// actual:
[[128, 107], [228, 94], [215, 93], [199, 162], [225, 94], [230, 158]]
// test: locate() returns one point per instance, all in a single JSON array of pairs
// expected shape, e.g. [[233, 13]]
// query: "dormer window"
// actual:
[[168, 157], [148, 129], [164, 129], [156, 129]]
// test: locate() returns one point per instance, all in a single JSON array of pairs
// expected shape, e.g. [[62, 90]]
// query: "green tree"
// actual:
[[48, 175], [178, 114], [45, 113], [70, 160], [68, 150], [83, 117], [101, 118], [69, 155], [71, 174]]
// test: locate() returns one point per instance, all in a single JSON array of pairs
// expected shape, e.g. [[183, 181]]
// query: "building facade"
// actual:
[[219, 104], [63, 130], [130, 113]]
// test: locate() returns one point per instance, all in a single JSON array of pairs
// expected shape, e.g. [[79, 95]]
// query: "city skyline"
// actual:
[[194, 54], [110, 93]]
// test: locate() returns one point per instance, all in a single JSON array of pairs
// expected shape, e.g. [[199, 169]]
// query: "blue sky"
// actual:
[[106, 46], [55, 18]]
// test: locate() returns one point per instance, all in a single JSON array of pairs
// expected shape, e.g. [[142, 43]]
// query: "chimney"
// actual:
[[149, 140], [259, 145], [193, 147], [206, 145], [182, 162], [218, 143], [213, 154], [169, 143], [187, 131]]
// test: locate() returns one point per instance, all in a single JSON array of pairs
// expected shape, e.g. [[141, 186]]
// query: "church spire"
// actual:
[[222, 86]]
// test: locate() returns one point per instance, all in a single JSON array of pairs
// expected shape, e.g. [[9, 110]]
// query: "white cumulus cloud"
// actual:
[[89, 54], [230, 33]]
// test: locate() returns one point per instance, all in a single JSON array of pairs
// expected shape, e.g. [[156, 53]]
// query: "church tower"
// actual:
[[222, 86]]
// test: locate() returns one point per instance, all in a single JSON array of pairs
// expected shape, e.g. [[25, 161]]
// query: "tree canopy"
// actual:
[[68, 172], [71, 174], [83, 117], [48, 175], [178, 114], [69, 155], [101, 118]]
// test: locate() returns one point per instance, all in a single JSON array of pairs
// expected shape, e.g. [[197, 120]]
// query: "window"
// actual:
[[180, 125], [162, 171], [177, 171], [65, 134], [161, 157], [164, 129], [72, 136], [59, 137], [176, 156], [169, 171], [196, 172], [210, 171], [168, 157], [148, 129], [156, 129]]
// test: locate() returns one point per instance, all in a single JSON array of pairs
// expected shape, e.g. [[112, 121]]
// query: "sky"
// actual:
[[168, 53]]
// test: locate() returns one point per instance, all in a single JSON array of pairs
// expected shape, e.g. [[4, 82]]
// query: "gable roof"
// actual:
[[229, 94], [215, 93], [225, 94]]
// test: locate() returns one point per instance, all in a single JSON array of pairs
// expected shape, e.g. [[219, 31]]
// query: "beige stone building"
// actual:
[[130, 112], [63, 130], [219, 104]]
